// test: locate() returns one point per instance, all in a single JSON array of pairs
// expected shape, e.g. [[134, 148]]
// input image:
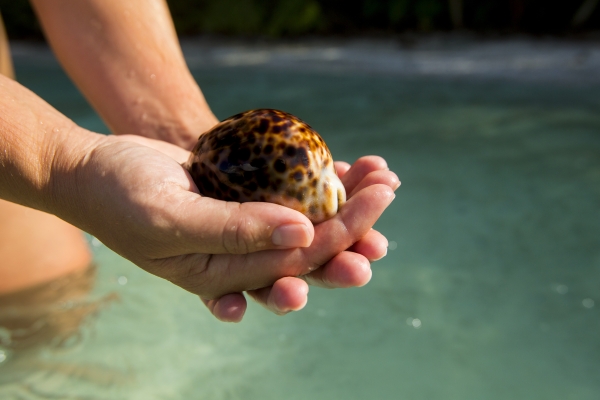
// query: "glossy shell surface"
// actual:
[[268, 155]]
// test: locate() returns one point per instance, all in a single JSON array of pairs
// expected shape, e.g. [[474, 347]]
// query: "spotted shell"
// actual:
[[268, 155]]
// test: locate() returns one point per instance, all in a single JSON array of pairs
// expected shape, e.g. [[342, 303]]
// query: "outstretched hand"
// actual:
[[138, 200]]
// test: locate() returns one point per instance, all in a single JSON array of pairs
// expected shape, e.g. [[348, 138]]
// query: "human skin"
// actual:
[[138, 200], [36, 247], [6, 67], [125, 58]]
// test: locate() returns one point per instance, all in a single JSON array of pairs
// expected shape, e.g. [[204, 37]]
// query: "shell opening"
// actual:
[[338, 193], [341, 197]]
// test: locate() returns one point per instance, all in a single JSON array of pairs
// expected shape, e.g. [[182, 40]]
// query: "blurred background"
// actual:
[[489, 112], [289, 18]]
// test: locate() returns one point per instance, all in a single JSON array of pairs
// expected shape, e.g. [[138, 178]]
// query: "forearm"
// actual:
[[126, 59], [38, 148]]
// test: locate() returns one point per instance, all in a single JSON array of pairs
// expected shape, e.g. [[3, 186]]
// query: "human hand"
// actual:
[[143, 205], [343, 256]]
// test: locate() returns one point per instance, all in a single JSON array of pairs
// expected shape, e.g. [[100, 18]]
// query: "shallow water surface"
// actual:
[[490, 288]]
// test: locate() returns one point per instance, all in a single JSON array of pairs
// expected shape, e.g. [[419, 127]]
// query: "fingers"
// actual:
[[373, 246], [347, 269], [229, 308], [287, 294], [222, 274], [351, 268], [341, 168], [361, 168], [212, 226], [383, 177], [351, 224]]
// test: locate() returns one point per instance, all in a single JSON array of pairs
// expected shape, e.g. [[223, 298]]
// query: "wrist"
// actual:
[[35, 142], [64, 184]]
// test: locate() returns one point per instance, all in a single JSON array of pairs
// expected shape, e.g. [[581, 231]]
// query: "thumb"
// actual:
[[213, 226]]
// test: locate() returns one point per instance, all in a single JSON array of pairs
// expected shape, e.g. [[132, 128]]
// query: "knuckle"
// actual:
[[240, 235]]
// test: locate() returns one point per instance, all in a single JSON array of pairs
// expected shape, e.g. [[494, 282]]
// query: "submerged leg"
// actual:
[[36, 247]]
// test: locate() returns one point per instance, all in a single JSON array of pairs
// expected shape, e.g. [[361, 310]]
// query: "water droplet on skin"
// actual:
[[144, 116], [153, 77], [55, 130]]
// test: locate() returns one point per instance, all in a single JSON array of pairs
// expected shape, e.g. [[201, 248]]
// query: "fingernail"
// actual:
[[292, 235]]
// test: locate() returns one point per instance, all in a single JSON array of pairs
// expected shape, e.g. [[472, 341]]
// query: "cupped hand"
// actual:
[[133, 195], [342, 249]]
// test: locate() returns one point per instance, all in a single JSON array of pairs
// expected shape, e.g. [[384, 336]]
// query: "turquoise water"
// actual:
[[490, 289]]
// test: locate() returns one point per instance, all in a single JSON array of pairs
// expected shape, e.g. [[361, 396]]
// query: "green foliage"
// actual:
[[398, 10], [246, 17], [426, 11], [240, 16], [294, 17], [276, 18]]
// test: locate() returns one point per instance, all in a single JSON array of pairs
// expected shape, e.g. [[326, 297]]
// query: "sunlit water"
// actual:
[[490, 289]]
